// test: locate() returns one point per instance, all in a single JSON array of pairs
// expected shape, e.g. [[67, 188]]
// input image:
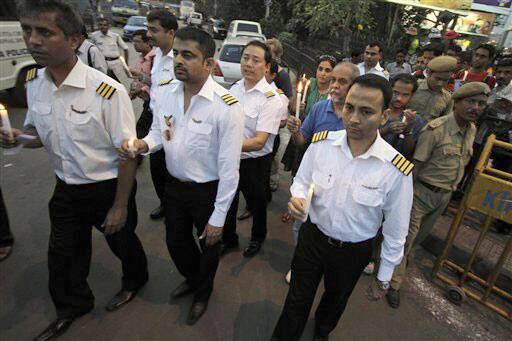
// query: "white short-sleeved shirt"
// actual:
[[377, 70], [109, 44], [97, 59], [162, 73], [285, 100], [352, 195], [205, 141], [80, 128], [262, 108]]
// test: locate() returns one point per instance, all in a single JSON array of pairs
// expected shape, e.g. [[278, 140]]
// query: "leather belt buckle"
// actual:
[[334, 242]]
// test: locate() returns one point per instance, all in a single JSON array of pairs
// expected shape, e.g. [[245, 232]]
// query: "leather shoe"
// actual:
[[120, 299], [157, 213], [5, 252], [253, 248], [182, 290], [196, 311], [393, 298], [245, 214], [55, 329]]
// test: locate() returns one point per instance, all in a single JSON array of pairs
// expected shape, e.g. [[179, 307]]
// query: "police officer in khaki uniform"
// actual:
[[444, 149], [431, 100]]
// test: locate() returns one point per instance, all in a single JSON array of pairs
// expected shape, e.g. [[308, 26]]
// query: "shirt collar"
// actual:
[[83, 48], [170, 54], [76, 78], [206, 91], [330, 107], [262, 86], [452, 126], [377, 149], [362, 66]]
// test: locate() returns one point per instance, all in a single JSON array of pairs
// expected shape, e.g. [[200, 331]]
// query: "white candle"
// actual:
[[305, 94], [404, 119], [299, 93], [131, 145], [311, 190], [6, 124], [125, 66]]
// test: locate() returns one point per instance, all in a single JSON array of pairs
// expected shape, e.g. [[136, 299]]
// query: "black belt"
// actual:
[[432, 187], [190, 184], [111, 59], [333, 241]]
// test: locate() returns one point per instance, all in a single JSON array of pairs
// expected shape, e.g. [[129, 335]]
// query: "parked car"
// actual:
[[195, 19], [123, 9], [227, 69], [217, 28], [134, 23], [243, 27]]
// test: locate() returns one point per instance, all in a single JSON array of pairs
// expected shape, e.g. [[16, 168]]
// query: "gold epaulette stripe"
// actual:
[[31, 75], [402, 164], [270, 94], [320, 136], [106, 91], [229, 99], [279, 91]]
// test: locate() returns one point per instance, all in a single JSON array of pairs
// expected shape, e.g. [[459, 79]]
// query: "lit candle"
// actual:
[[305, 91], [299, 93], [311, 190], [404, 119], [6, 124], [125, 66]]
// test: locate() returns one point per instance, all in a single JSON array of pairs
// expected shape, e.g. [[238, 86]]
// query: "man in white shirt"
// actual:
[[262, 108], [399, 65], [357, 178], [199, 125], [371, 63], [161, 28], [109, 44], [90, 55], [80, 116]]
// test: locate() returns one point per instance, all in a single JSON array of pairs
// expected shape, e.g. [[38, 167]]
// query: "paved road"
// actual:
[[248, 296]]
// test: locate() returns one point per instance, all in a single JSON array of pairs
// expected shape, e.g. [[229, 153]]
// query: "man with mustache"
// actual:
[[199, 125], [503, 80], [80, 116], [444, 148], [359, 178]]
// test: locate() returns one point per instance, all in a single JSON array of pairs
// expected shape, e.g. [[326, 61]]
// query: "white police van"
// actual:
[[15, 60]]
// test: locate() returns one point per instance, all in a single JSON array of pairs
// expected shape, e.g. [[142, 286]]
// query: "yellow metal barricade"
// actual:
[[490, 193]]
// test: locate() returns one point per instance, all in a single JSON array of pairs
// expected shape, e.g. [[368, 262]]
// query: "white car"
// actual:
[[227, 69], [239, 28], [195, 19]]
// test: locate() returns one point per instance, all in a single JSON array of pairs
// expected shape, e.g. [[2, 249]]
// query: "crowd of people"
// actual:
[[376, 154]]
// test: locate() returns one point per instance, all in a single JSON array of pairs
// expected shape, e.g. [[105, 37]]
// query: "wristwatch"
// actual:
[[383, 285]]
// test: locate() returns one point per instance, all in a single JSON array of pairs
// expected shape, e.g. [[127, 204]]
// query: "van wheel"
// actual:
[[18, 93]]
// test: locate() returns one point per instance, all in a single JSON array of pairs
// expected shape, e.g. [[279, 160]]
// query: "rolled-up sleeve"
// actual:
[[119, 117], [269, 118], [154, 138], [397, 211], [231, 130]]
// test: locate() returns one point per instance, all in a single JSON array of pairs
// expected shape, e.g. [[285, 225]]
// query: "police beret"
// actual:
[[471, 89], [443, 64]]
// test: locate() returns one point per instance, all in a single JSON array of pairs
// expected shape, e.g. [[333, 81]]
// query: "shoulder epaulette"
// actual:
[[434, 123], [106, 91], [229, 99], [31, 75], [402, 164], [164, 82], [269, 94], [279, 91], [320, 136]]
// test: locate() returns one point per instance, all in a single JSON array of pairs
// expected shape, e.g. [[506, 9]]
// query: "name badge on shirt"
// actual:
[[168, 121]]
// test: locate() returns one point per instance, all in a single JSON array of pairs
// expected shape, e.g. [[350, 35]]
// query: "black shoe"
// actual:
[[5, 252], [182, 290], [157, 213], [120, 299], [227, 247], [196, 311], [253, 248], [393, 298], [55, 329]]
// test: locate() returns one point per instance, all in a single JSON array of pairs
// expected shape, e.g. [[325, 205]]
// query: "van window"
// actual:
[[247, 28], [231, 53]]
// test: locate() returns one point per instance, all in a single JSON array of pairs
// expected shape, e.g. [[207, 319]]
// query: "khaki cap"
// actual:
[[471, 89], [443, 64]]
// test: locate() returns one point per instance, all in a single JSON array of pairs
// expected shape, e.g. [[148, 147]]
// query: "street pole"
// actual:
[[267, 3]]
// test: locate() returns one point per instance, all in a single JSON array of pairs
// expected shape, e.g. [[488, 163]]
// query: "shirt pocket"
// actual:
[[199, 135], [80, 123], [42, 119], [367, 195], [451, 150], [251, 119]]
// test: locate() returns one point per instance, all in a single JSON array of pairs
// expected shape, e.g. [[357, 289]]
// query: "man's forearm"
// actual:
[[125, 179], [298, 139], [252, 145], [35, 143]]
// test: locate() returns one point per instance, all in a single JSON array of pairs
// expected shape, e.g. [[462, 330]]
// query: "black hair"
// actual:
[[488, 47], [455, 48], [257, 43], [66, 18], [166, 19], [103, 19], [505, 62], [436, 48], [373, 81], [274, 67], [376, 43], [204, 41], [402, 51], [405, 78], [327, 58], [143, 34], [356, 52], [84, 32]]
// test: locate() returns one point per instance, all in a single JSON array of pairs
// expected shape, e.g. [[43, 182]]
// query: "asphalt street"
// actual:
[[248, 295]]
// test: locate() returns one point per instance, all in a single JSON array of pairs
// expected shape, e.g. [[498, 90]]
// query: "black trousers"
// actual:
[[145, 120], [315, 257], [74, 209], [6, 238], [253, 183], [158, 171], [187, 205]]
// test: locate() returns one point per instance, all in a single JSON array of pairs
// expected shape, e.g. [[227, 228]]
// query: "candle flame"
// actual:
[[2, 107], [299, 87]]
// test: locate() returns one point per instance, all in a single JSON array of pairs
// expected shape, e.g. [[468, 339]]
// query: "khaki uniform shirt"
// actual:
[[445, 149], [430, 104]]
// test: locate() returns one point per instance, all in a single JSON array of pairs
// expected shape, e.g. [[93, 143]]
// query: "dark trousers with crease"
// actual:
[[341, 267], [6, 238], [253, 183], [189, 204], [74, 209]]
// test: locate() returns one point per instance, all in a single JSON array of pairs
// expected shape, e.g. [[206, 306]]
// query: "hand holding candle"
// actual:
[[125, 66], [311, 190], [6, 124]]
